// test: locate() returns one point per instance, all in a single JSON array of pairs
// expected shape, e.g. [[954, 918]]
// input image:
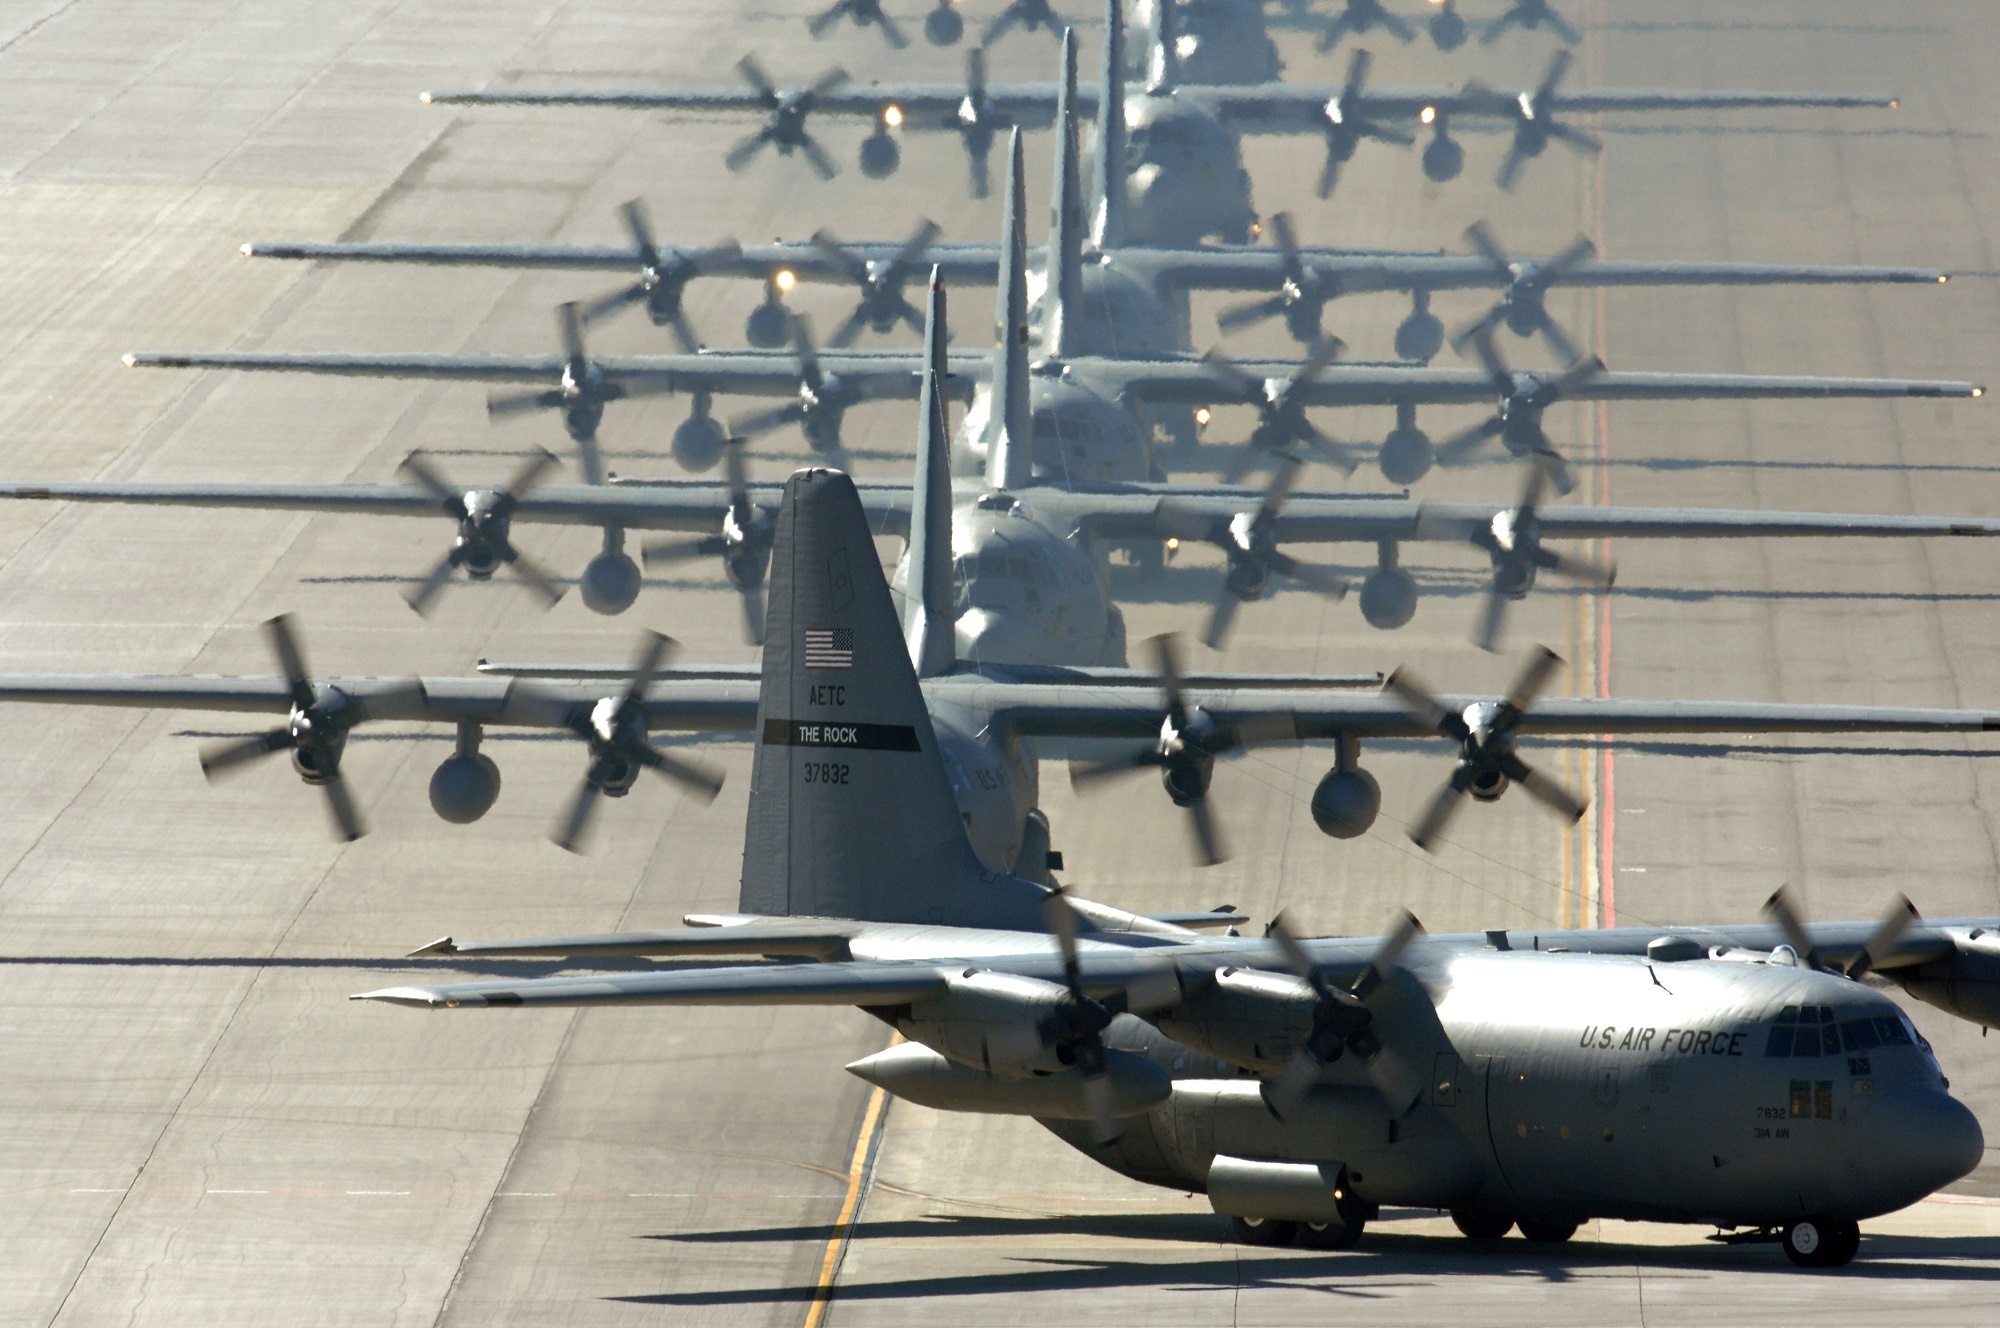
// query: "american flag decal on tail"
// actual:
[[829, 647]]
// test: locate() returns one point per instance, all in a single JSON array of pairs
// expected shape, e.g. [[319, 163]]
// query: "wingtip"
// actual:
[[415, 997], [443, 945], [131, 359]]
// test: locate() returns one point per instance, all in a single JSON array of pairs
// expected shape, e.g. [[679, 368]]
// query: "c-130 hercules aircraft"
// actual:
[[1740, 1076]]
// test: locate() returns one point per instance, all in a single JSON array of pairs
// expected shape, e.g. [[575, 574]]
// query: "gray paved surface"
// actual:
[[198, 1129]]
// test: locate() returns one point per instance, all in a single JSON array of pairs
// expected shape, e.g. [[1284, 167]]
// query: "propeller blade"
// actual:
[[1480, 237], [1573, 137], [753, 614], [1387, 955], [764, 421], [418, 467], [1590, 571], [1062, 923], [1424, 705], [1881, 943], [1234, 377], [655, 650], [430, 587], [822, 164], [845, 334], [753, 74], [1084, 774], [1780, 910], [1542, 665], [840, 256], [1546, 791], [1256, 311], [826, 18], [1559, 342], [1397, 25], [891, 32], [832, 79], [1442, 805], [568, 831], [1580, 250], [739, 156], [1574, 377], [1467, 441], [341, 803], [1321, 580], [569, 329], [1558, 67], [520, 403], [639, 225], [220, 758], [1207, 836], [1220, 619], [530, 571], [1329, 174], [697, 777], [605, 305], [291, 659], [1491, 618], [531, 472], [1167, 654], [914, 248], [1510, 167], [1561, 26]]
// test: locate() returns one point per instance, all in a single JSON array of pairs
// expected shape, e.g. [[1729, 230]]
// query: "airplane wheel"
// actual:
[[1821, 1242], [1330, 1235], [1547, 1233], [1480, 1225], [1264, 1230]]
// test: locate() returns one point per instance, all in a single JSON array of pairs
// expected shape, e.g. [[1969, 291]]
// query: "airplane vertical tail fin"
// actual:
[[1010, 443], [1062, 318], [851, 810], [928, 623], [1107, 227]]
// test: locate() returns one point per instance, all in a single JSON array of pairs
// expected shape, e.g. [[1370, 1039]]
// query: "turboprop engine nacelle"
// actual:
[[992, 1022], [1245, 1017], [918, 1074]]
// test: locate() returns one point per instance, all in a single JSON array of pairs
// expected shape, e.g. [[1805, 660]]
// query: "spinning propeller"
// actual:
[[785, 127], [1345, 1020], [1249, 540], [663, 277], [1896, 922], [1517, 419], [883, 304], [1513, 541], [316, 730], [1531, 14], [484, 516], [1358, 17], [615, 731], [581, 395], [1190, 740], [1343, 125], [864, 13], [1027, 15], [1281, 411], [744, 544], [1301, 301], [822, 403], [1075, 1029], [1534, 120], [1522, 305], [1484, 732]]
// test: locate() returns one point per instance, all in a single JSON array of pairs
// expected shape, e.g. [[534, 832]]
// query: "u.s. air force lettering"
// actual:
[[854, 737], [1679, 1041]]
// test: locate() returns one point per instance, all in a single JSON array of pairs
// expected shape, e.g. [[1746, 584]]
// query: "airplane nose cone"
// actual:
[[1923, 1140]]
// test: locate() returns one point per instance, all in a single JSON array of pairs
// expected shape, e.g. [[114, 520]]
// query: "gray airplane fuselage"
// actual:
[[1219, 41], [1576, 1086], [1184, 175]]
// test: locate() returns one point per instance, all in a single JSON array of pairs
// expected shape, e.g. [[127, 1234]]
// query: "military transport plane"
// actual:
[[1029, 555], [1740, 1076], [1134, 297], [1184, 160], [993, 721], [1084, 425]]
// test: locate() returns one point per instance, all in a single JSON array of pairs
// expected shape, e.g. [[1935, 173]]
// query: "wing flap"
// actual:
[[774, 984]]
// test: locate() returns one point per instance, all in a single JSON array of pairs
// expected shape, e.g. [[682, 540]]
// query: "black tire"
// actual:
[[1547, 1233], [1821, 1242], [1330, 1235], [1478, 1225], [1264, 1230]]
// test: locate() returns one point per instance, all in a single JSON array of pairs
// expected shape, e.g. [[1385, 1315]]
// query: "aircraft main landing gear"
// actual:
[[1264, 1230]]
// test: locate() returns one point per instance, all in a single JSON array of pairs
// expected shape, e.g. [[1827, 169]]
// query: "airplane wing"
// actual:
[[863, 984], [868, 375], [692, 704], [1298, 107], [1340, 384], [969, 264], [1248, 269], [923, 105], [1049, 711]]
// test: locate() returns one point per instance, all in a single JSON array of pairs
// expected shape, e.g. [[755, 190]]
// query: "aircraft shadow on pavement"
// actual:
[[1383, 1263]]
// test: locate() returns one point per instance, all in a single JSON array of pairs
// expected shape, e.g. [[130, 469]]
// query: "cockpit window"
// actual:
[[1803, 1031]]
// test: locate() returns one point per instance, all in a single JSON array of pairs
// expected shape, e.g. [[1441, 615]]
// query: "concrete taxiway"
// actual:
[[199, 1128]]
